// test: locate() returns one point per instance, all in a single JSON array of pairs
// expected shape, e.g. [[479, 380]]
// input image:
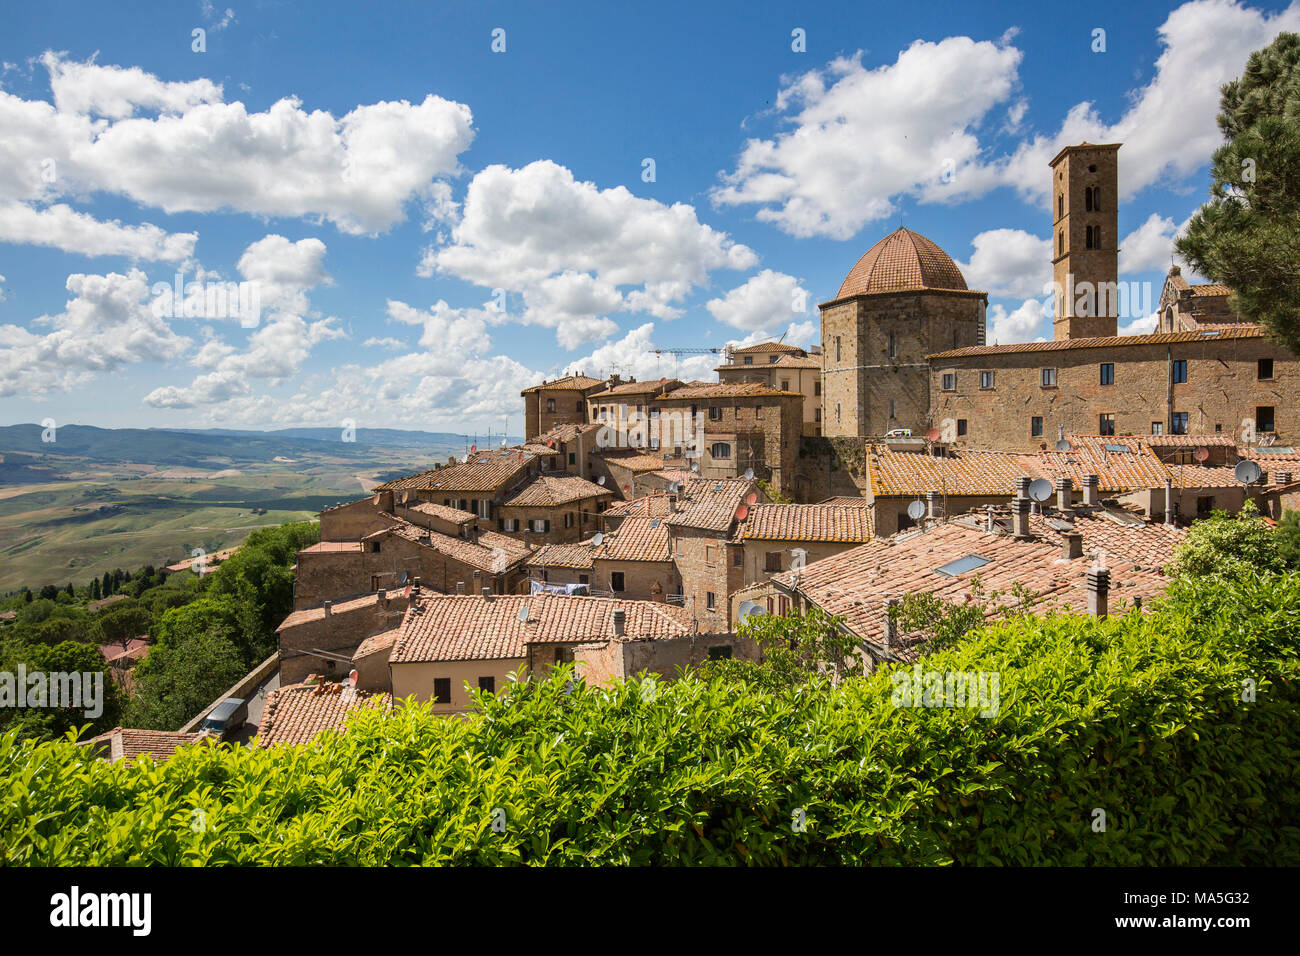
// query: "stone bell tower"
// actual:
[[1085, 244]]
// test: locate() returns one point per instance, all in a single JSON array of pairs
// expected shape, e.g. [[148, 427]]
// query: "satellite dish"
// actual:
[[600, 480], [675, 486], [1247, 472], [916, 510], [1040, 489], [403, 580], [627, 489], [352, 678], [695, 466], [751, 498], [473, 449], [523, 614], [932, 434], [750, 609], [598, 539], [749, 474], [742, 513], [1201, 454], [1064, 445]]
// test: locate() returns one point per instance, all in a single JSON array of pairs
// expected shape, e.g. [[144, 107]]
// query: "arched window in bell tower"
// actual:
[[1060, 243]]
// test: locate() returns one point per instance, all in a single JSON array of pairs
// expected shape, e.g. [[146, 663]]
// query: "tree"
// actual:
[[71, 593], [106, 587], [49, 592], [177, 680], [796, 649], [1248, 234], [1288, 540], [1228, 547], [94, 589]]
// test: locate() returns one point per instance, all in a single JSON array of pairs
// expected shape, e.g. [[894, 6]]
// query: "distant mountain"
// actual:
[[201, 448]]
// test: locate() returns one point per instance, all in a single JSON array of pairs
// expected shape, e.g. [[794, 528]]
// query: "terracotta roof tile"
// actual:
[[576, 556], [129, 745], [637, 538], [297, 713], [649, 387], [808, 523], [636, 463], [551, 489], [976, 473], [903, 261], [1120, 464], [710, 504], [455, 628], [1107, 342], [693, 390], [576, 383], [446, 513], [483, 471]]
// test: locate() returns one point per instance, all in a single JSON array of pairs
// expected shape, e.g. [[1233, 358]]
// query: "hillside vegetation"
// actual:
[[1176, 732]]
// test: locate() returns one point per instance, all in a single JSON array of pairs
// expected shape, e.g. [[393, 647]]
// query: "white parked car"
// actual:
[[899, 433]]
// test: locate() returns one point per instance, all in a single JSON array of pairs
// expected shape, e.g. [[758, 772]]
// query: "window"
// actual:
[[785, 385], [578, 406], [961, 427], [1178, 426], [584, 579], [710, 600], [720, 449], [771, 359], [1060, 243], [1157, 428], [1036, 426], [737, 558], [484, 508], [893, 345], [817, 414], [616, 581], [1204, 505], [710, 555], [1106, 424], [950, 381], [487, 684], [837, 411], [374, 547], [772, 561], [1107, 373], [541, 525], [1092, 237], [749, 360], [986, 379], [442, 690], [1087, 199], [1265, 369], [509, 524], [715, 413], [720, 653], [758, 411], [837, 349], [573, 458], [1264, 418], [892, 409], [568, 519], [1179, 371], [817, 387], [1049, 378], [1060, 205], [550, 405]]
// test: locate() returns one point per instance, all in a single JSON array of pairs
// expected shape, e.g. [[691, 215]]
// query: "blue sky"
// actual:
[[387, 180]]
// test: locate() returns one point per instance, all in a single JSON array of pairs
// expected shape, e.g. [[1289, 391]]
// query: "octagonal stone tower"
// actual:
[[904, 300]]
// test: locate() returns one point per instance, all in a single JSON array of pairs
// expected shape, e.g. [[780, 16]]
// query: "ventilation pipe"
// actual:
[[1064, 494], [1092, 491], [1098, 591]]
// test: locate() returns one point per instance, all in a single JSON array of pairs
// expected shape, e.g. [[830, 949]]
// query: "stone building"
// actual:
[[1184, 307], [1233, 380], [787, 368], [558, 402], [777, 537], [746, 425], [903, 300], [1085, 247], [322, 640]]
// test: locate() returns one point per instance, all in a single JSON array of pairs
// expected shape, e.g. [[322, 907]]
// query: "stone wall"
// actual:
[[338, 632], [827, 467], [1222, 390], [705, 564]]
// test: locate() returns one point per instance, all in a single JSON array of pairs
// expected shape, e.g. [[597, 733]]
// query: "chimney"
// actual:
[[932, 507], [891, 627], [382, 597], [528, 538], [1020, 518], [1098, 591], [1064, 494], [672, 503], [1073, 547], [415, 589], [1263, 479], [1283, 478], [989, 526], [487, 595], [1137, 601], [1091, 491], [620, 622], [1022, 486], [329, 608], [1169, 501]]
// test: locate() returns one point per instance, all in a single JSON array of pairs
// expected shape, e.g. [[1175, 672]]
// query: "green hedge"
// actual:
[[1141, 716]]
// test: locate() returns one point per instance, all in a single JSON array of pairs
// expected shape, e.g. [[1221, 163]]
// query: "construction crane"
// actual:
[[678, 353]]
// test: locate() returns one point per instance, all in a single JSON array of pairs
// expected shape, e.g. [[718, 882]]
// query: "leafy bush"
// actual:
[[1180, 724], [1228, 546]]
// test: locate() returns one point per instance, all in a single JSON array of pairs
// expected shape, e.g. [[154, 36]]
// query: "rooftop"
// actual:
[[297, 713], [129, 745], [550, 489], [1223, 332], [693, 390], [974, 473], [577, 383], [823, 522], [903, 261], [462, 628], [482, 471], [710, 504], [1122, 464], [576, 556]]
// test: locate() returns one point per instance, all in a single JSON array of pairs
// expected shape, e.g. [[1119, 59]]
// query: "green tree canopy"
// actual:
[[1248, 234]]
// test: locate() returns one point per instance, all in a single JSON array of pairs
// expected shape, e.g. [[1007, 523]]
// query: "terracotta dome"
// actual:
[[903, 261]]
